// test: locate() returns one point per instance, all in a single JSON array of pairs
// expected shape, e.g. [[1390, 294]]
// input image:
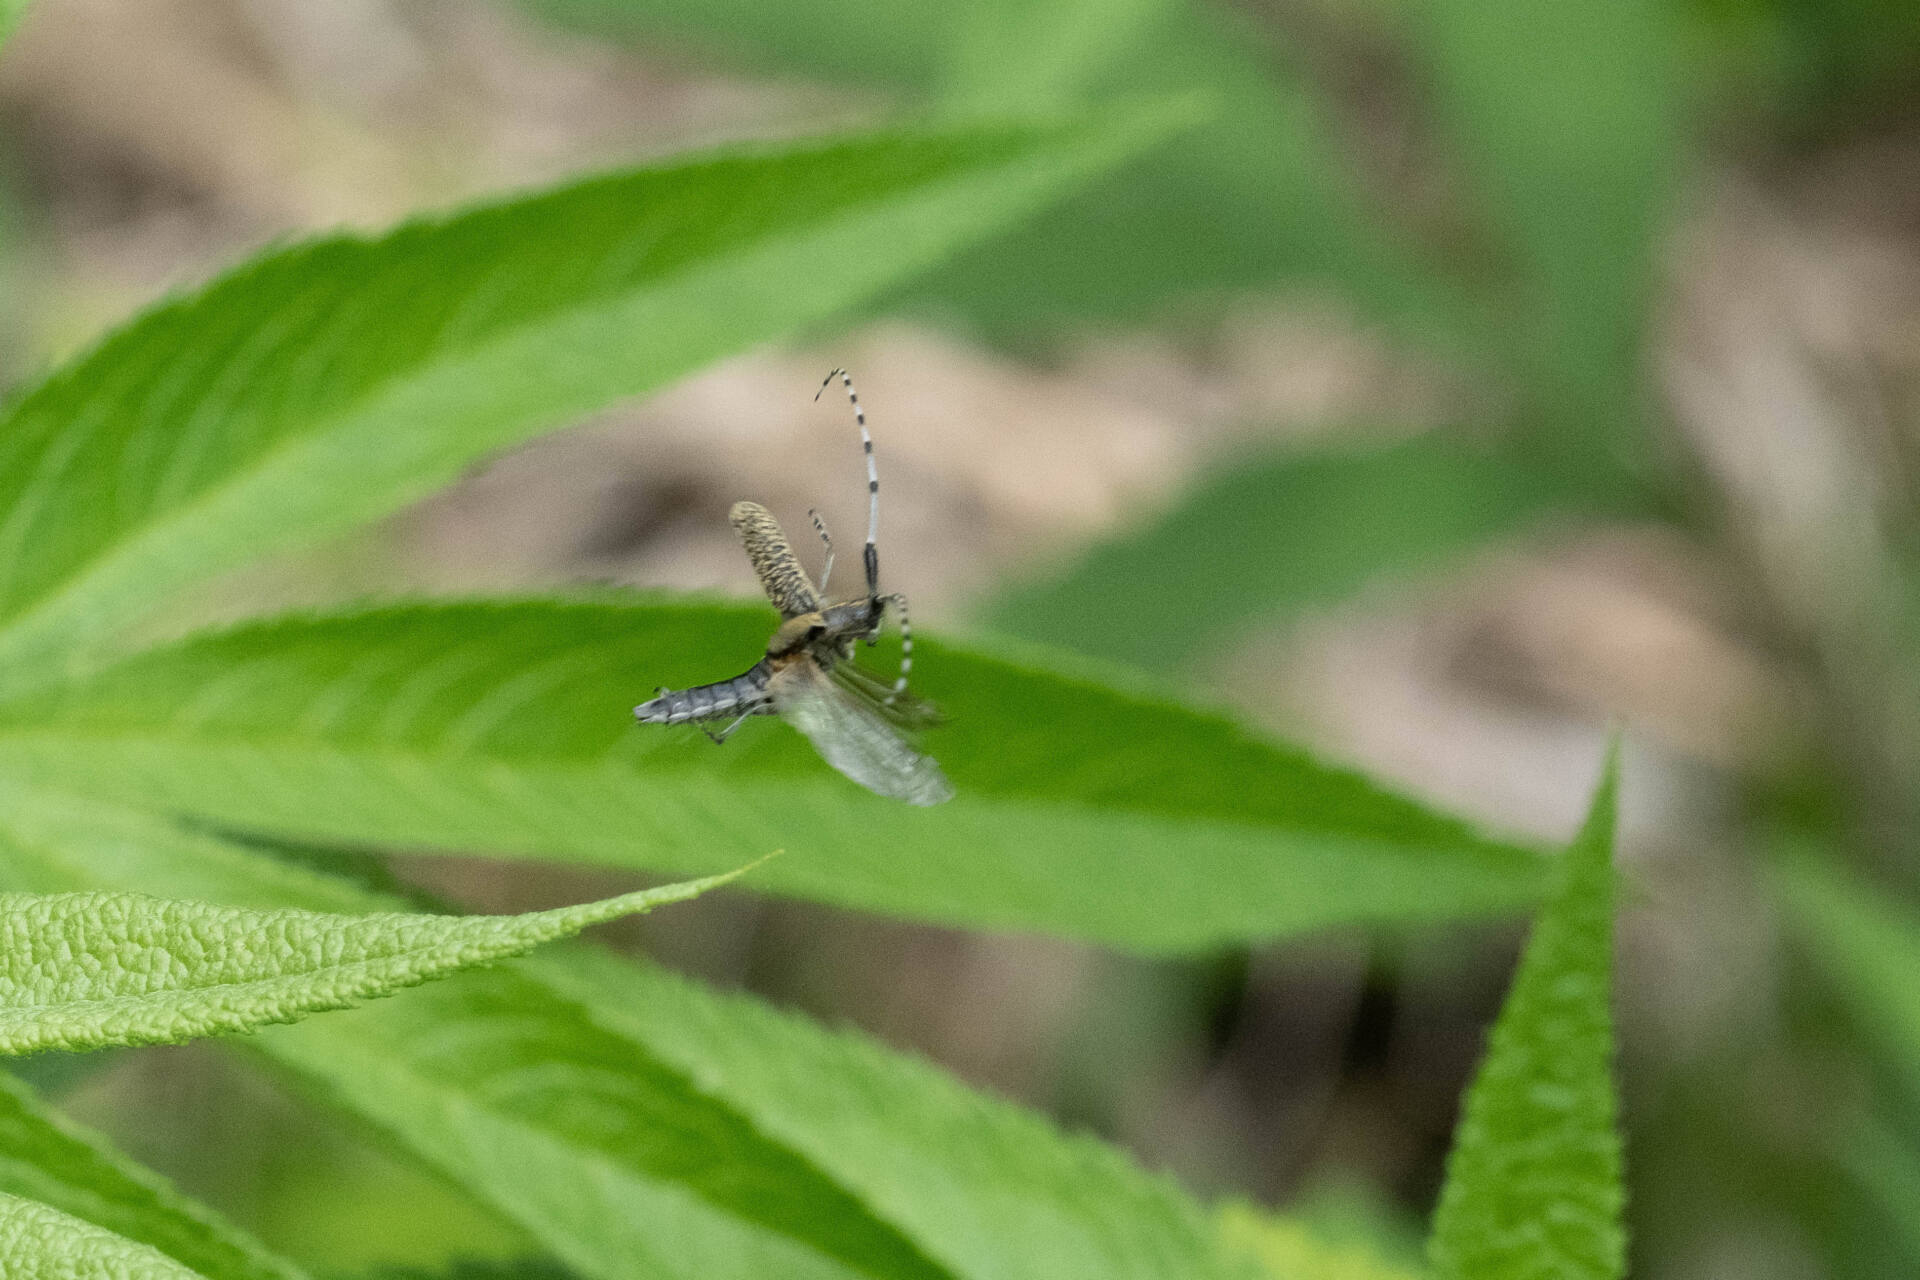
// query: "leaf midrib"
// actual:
[[269, 746], [18, 632], [600, 1159]]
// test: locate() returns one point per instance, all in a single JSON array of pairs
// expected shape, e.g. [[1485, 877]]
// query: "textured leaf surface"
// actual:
[[1533, 1188], [322, 386], [1868, 946], [41, 1243], [88, 970], [506, 728], [45, 1157], [1289, 1250], [617, 1163], [640, 1126], [1274, 536]]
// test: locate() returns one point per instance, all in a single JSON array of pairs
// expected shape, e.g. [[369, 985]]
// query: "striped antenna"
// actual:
[[872, 554]]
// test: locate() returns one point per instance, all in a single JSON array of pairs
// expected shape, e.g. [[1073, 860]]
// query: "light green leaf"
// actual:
[[1533, 1188], [1267, 538], [987, 1189], [10, 14], [621, 1165], [505, 728], [641, 1127], [88, 970], [1867, 945], [327, 384], [39, 1243], [45, 1157], [1290, 1250]]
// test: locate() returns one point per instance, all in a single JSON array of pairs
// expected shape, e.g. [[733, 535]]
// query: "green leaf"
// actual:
[[47, 1158], [1886, 1170], [1289, 1250], [901, 46], [88, 970], [325, 385], [39, 1243], [1533, 1188], [505, 728], [11, 12], [623, 1166], [1867, 946], [640, 1126], [1259, 197], [1269, 537], [1566, 115]]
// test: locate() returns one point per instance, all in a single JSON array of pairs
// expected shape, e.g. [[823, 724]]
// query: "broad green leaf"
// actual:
[[1289, 1250], [90, 970], [1867, 945], [41, 1243], [623, 1166], [327, 384], [505, 728], [1565, 114], [640, 1126], [1533, 1188], [47, 1158], [1267, 538]]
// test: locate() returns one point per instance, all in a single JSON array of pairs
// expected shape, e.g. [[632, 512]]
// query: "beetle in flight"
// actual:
[[808, 676]]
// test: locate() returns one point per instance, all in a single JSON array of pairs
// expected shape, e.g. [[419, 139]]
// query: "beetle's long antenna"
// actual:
[[872, 554]]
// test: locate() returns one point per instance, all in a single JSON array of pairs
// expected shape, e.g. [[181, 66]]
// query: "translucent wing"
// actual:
[[853, 737], [905, 711]]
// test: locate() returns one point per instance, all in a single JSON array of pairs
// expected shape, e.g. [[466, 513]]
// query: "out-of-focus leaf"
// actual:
[[10, 13], [90, 970], [504, 728], [1260, 197], [1287, 1250], [1533, 1188], [324, 385], [41, 1243], [1566, 116], [640, 1126], [1887, 1169], [45, 1157], [1268, 538], [1867, 944], [859, 42]]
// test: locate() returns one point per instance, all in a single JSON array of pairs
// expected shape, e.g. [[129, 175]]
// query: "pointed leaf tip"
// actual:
[[1534, 1185], [162, 970]]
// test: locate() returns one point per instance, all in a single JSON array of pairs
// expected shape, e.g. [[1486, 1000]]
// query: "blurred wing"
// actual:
[[853, 737], [905, 711]]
